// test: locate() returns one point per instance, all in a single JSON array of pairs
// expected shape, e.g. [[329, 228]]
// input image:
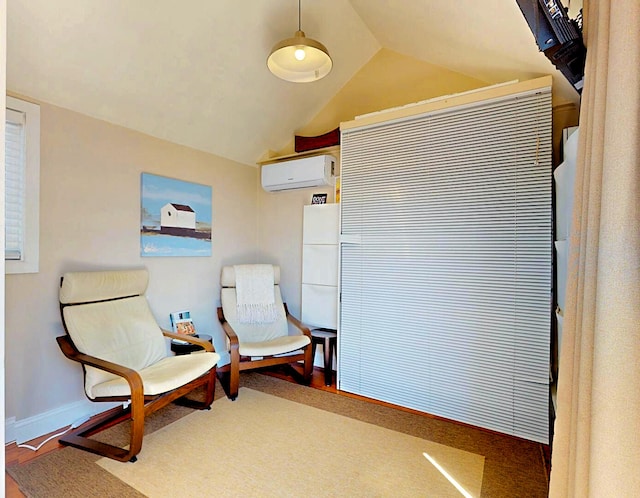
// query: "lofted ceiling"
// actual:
[[195, 72]]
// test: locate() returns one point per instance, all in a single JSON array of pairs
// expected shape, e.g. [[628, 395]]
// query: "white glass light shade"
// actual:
[[286, 64]]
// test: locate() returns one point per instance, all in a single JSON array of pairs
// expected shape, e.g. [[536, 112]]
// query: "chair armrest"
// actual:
[[303, 328], [130, 375], [190, 339], [234, 343]]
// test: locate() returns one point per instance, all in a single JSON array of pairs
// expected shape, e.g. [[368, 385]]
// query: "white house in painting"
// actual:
[[176, 218]]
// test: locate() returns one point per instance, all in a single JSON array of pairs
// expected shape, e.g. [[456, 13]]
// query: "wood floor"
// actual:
[[17, 456]]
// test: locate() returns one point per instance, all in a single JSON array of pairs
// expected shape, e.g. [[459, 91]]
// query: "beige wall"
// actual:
[[90, 219]]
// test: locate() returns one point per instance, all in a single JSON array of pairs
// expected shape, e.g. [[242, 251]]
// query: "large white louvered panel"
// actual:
[[446, 263]]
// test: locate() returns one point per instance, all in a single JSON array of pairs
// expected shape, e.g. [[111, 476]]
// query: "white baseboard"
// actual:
[[53, 420], [9, 430]]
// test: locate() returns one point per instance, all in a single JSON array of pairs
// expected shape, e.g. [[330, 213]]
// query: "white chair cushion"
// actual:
[[265, 339], [87, 286], [167, 374], [251, 332], [122, 331], [277, 346]]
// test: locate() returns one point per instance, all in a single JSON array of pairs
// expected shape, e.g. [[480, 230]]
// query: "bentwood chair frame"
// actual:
[[289, 350], [140, 403]]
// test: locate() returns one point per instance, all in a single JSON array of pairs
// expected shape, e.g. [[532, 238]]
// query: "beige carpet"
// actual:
[[512, 467], [263, 445]]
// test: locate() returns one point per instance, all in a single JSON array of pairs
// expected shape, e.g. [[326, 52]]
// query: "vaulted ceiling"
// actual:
[[195, 72]]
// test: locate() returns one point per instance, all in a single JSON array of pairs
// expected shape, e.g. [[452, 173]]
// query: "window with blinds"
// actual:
[[22, 164], [446, 263], [14, 184]]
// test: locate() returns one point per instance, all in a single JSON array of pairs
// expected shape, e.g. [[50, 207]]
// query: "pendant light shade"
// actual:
[[299, 59]]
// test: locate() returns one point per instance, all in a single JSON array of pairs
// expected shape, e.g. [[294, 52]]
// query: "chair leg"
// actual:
[[308, 364], [210, 391], [234, 382], [137, 425], [211, 388], [230, 382], [135, 413]]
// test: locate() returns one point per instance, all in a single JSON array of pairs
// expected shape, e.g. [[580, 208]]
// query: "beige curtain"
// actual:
[[596, 447]]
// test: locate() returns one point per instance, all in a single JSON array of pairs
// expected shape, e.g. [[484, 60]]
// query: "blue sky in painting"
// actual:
[[159, 190]]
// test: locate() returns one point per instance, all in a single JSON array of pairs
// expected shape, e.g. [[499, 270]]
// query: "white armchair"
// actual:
[[261, 333], [111, 331]]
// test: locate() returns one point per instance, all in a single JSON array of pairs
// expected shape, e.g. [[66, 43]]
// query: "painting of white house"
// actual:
[[175, 217]]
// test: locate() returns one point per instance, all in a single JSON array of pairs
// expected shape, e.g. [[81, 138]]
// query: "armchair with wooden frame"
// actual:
[[280, 340], [112, 333]]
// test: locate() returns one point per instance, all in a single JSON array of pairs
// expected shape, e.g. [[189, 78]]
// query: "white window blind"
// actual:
[[15, 188], [22, 186], [446, 263]]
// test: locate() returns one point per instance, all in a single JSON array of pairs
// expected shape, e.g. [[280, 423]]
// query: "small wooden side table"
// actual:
[[179, 349], [329, 340]]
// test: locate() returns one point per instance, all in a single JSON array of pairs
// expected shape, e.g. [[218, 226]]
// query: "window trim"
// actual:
[[29, 262]]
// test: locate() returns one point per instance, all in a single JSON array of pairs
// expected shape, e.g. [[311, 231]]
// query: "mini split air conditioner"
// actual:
[[311, 171]]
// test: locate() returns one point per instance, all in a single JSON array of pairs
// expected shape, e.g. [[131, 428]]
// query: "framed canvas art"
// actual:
[[175, 217]]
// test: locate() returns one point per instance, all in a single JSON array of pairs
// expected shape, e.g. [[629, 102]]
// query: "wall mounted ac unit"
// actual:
[[311, 171]]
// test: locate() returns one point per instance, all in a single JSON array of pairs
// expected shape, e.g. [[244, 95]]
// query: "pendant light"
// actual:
[[299, 59]]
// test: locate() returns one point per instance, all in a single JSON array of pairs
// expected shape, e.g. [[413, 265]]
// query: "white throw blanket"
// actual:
[[254, 293]]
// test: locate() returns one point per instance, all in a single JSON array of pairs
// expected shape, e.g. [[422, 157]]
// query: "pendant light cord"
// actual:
[[298, 15]]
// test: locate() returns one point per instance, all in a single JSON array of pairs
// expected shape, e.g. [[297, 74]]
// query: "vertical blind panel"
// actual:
[[14, 185], [445, 302]]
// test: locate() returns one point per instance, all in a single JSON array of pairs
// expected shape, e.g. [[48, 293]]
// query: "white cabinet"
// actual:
[[320, 265]]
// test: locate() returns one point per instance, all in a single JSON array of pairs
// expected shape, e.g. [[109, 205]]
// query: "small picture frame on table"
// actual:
[[181, 323], [185, 327], [319, 199]]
